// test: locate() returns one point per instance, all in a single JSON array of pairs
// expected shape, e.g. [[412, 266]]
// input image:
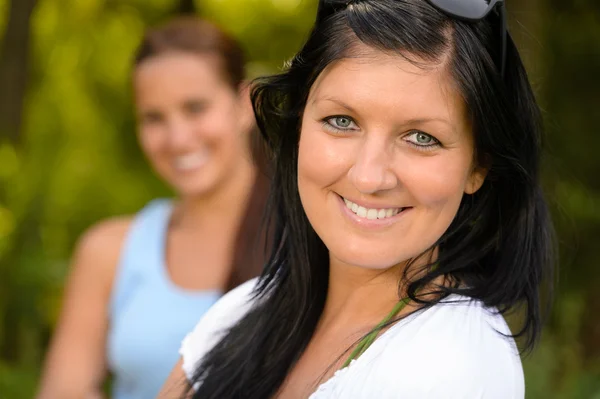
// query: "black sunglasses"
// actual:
[[467, 10], [475, 10]]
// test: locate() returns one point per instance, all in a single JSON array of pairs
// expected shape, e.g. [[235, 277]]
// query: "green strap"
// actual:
[[368, 339]]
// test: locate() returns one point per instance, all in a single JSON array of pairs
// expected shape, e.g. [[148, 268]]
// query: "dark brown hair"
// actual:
[[197, 36]]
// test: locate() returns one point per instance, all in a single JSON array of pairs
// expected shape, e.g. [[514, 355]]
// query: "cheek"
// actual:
[[221, 126], [152, 141], [438, 182], [322, 158], [306, 168]]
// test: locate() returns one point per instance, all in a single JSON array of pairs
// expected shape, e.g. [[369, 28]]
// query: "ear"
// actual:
[[475, 180]]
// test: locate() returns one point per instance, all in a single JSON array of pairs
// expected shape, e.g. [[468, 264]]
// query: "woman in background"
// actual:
[[139, 284]]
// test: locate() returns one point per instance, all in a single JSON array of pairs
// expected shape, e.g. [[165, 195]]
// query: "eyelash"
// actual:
[[327, 125], [331, 127], [429, 147]]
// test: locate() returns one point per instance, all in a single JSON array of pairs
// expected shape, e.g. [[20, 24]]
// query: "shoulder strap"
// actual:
[[141, 254]]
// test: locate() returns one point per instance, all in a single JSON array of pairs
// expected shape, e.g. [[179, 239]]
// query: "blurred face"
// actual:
[[385, 156], [192, 124]]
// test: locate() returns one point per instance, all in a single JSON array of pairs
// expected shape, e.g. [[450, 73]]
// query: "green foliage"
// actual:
[[17, 382], [78, 162]]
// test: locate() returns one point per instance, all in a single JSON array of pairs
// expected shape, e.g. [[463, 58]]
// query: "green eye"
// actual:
[[423, 138], [339, 124], [342, 121]]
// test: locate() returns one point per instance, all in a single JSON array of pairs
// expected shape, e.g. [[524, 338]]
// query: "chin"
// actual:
[[369, 259], [375, 257], [194, 188]]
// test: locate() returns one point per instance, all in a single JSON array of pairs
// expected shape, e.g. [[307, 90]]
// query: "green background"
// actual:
[[69, 157]]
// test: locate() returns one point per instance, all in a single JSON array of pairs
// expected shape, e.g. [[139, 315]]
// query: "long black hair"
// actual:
[[499, 247]]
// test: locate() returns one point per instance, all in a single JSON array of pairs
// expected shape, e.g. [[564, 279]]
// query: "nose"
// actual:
[[372, 169], [179, 134]]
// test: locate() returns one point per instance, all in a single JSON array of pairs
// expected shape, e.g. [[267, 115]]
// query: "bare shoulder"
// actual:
[[106, 235], [98, 249], [75, 364]]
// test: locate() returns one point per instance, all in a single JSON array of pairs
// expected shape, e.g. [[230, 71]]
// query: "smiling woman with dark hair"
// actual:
[[408, 216]]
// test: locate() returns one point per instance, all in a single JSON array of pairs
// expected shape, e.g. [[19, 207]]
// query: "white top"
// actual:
[[452, 351]]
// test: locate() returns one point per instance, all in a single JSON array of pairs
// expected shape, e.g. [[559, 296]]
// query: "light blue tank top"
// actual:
[[149, 314]]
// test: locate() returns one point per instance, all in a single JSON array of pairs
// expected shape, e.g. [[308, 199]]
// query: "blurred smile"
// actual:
[[191, 161]]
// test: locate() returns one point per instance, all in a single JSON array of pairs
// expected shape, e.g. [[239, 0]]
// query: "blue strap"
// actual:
[[141, 255]]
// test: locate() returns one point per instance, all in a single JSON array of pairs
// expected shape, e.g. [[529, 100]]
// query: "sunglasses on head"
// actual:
[[466, 10], [475, 10]]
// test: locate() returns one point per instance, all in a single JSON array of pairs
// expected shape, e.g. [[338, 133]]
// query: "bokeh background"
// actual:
[[69, 157]]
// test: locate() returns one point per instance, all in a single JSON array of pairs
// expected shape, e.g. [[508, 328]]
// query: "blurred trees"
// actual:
[[14, 57], [569, 89], [76, 158]]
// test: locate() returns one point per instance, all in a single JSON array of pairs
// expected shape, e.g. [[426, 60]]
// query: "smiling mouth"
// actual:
[[190, 161], [372, 213]]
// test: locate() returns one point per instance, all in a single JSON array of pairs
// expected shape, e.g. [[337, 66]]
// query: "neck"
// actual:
[[222, 207], [359, 296]]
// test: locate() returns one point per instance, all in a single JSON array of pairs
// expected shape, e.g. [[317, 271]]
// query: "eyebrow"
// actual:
[[335, 100], [148, 112], [414, 121]]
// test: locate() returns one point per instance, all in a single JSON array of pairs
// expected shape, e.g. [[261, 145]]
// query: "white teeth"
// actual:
[[371, 214], [191, 161]]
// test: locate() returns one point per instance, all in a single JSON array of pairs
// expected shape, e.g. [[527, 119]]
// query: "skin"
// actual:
[[396, 137], [187, 114], [193, 129]]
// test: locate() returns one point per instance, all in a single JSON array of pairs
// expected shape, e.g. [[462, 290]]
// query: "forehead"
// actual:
[[177, 72], [375, 80]]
